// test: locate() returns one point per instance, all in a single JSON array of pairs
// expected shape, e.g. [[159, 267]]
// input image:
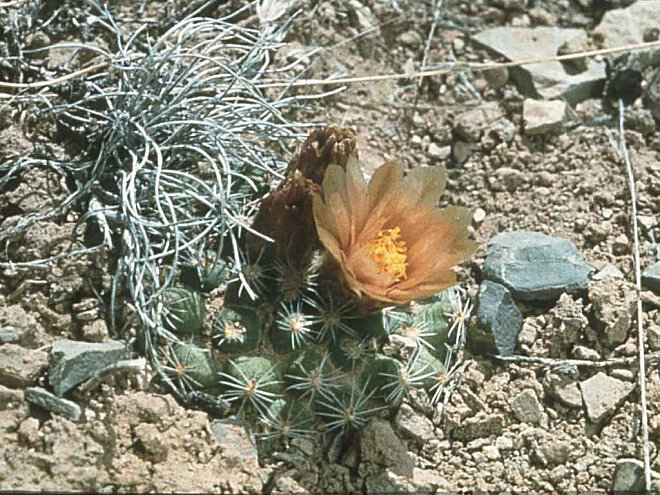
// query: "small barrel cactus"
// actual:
[[237, 330], [204, 278], [253, 380], [195, 363], [184, 310]]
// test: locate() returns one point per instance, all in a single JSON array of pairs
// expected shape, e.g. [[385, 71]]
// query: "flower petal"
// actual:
[[425, 184], [334, 182], [443, 245], [384, 183], [340, 212]]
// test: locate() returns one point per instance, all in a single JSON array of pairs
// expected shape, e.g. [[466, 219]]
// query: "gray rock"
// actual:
[[623, 374], [602, 394], [498, 321], [613, 302], [439, 152], [609, 271], [503, 443], [628, 476], [497, 76], [73, 362], [653, 337], [232, 434], [479, 426], [541, 117], [528, 334], [8, 335], [431, 481], [472, 123], [526, 407], [563, 388], [46, 400], [651, 278], [548, 79], [491, 452], [586, 353], [507, 179], [381, 446], [9, 396], [652, 100], [17, 325], [461, 151], [536, 267], [361, 16], [414, 425], [20, 367], [552, 452], [411, 39], [479, 216], [626, 26]]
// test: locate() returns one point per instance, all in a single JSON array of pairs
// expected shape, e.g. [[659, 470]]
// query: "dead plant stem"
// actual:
[[638, 283]]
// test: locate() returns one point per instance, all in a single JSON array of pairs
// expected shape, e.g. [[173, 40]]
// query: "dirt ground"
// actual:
[[570, 183]]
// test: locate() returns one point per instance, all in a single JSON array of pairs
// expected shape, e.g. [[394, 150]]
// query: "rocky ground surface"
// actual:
[[547, 183]]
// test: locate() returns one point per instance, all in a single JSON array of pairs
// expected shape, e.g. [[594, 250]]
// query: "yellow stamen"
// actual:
[[389, 253]]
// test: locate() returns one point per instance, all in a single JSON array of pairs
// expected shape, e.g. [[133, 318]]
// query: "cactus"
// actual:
[[345, 409], [190, 192], [195, 363], [253, 380], [348, 353], [288, 418], [293, 328], [380, 375], [333, 319], [434, 320], [237, 330], [184, 310], [309, 374], [204, 278]]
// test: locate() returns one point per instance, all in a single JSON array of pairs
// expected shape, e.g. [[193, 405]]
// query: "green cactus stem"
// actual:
[[237, 330], [184, 311], [196, 364]]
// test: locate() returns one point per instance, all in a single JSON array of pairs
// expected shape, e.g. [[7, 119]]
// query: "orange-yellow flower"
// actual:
[[390, 241]]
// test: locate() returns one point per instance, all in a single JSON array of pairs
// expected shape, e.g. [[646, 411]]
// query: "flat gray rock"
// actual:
[[547, 79], [526, 407], [541, 117], [72, 362], [414, 425], [8, 335], [563, 388], [651, 278], [232, 434], [626, 26], [602, 394], [46, 400], [381, 446], [536, 267], [498, 321], [20, 367], [628, 476]]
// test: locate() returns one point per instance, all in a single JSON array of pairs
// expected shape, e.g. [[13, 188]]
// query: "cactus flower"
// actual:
[[390, 241]]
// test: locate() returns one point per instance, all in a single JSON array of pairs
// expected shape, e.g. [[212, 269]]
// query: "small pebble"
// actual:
[[479, 216], [504, 443], [439, 152], [646, 221], [492, 452]]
